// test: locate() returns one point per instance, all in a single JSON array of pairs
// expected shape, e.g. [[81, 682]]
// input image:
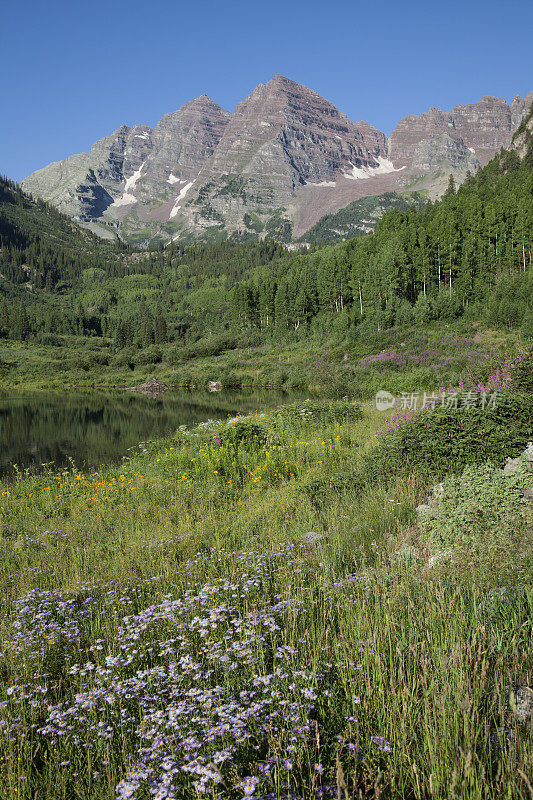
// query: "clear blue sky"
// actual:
[[74, 71]]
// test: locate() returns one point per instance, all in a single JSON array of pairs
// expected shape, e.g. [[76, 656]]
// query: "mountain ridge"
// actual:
[[274, 167]]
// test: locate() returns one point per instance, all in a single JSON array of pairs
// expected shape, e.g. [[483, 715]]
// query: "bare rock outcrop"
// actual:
[[280, 162], [152, 388], [137, 178]]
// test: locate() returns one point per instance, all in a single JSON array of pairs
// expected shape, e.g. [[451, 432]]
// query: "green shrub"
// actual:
[[228, 378], [82, 362], [321, 490], [527, 324], [447, 307], [243, 433], [299, 378], [150, 355], [125, 358], [253, 222], [249, 338], [341, 390], [51, 339], [523, 374], [210, 346], [175, 355], [273, 377], [327, 412], [476, 504], [444, 441]]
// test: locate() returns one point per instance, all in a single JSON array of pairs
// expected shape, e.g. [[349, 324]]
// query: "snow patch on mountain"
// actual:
[[124, 200], [128, 198], [173, 179], [385, 166], [132, 180], [179, 198], [324, 183]]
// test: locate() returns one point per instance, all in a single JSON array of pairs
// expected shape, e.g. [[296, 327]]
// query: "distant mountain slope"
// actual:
[[523, 137], [282, 137], [284, 159], [359, 217], [472, 249], [40, 246], [484, 127], [136, 178]]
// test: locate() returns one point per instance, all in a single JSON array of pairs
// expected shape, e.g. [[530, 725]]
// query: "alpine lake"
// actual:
[[88, 428]]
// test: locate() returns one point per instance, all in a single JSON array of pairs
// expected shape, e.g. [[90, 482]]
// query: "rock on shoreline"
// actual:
[[152, 388]]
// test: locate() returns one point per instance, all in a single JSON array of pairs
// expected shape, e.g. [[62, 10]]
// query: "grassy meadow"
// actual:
[[399, 359], [320, 601], [225, 614]]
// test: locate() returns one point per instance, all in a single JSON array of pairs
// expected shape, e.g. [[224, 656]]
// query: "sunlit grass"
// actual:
[[174, 613]]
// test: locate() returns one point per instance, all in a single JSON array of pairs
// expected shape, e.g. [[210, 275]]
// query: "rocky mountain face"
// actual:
[[134, 180], [281, 161], [281, 138], [436, 143], [521, 142]]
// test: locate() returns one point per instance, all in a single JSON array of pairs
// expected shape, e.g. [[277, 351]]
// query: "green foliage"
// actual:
[[279, 228], [527, 324], [328, 412], [321, 490], [209, 346], [447, 306], [423, 310], [232, 185], [253, 222], [245, 433], [523, 374], [150, 355], [210, 213], [358, 218], [441, 441], [511, 303], [476, 504], [126, 357]]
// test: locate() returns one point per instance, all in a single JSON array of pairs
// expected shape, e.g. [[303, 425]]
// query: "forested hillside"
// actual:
[[359, 217], [471, 250], [57, 278], [43, 247]]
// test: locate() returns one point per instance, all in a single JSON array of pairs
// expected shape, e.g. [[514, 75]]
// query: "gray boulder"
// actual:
[[523, 461], [514, 709], [440, 556], [502, 600], [423, 510], [312, 536]]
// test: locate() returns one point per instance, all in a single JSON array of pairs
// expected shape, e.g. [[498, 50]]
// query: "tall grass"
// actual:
[[171, 629]]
